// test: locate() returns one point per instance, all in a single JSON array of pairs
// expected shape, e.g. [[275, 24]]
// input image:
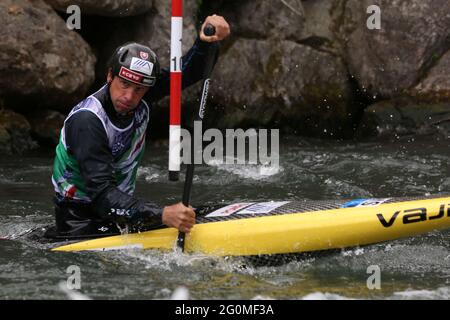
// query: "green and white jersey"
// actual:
[[127, 147]]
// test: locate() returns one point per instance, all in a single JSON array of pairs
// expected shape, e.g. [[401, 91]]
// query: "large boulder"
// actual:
[[389, 61], [41, 61], [273, 83], [108, 8]]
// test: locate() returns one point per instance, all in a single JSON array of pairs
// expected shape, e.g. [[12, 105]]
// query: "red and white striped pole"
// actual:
[[175, 90]]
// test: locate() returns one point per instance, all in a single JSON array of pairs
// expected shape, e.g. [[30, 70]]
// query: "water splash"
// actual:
[[254, 172]]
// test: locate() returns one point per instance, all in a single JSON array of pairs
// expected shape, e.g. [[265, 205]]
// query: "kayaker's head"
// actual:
[[132, 70]]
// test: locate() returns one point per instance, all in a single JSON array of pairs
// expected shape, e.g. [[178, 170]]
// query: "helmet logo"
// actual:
[[143, 66], [143, 55], [130, 75], [135, 77]]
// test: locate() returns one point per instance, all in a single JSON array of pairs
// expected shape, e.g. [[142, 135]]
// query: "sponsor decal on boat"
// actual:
[[263, 207], [364, 203], [229, 210]]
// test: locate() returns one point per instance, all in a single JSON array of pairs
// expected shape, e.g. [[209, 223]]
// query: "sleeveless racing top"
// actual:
[[127, 147]]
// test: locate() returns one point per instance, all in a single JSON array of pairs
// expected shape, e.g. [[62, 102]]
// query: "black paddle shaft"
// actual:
[[209, 65]]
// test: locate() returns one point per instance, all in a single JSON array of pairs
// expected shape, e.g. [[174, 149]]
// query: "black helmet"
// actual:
[[136, 63]]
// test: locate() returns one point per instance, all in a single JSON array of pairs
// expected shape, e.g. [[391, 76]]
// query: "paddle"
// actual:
[[209, 62]]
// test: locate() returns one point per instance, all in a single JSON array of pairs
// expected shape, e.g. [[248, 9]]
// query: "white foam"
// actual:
[[151, 173], [72, 294], [260, 297], [255, 172], [180, 293], [324, 296], [442, 293]]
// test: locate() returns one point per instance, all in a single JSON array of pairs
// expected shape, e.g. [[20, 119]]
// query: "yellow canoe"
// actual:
[[267, 228]]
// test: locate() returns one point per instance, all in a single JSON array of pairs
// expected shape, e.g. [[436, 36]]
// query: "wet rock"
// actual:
[[109, 8], [46, 127], [14, 133], [389, 61], [268, 83], [393, 119], [38, 62]]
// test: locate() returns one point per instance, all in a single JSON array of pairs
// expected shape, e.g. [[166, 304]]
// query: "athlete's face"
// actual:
[[125, 95]]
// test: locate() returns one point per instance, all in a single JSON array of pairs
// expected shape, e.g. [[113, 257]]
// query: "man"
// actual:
[[103, 140]]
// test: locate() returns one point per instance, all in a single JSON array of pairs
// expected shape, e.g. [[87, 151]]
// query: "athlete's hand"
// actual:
[[221, 25], [179, 216]]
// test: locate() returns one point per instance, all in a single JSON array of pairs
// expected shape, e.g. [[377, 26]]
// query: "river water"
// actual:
[[412, 268]]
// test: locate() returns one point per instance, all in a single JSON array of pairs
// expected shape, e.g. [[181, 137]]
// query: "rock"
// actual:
[[46, 127], [390, 61], [108, 8], [14, 133], [304, 22], [268, 19], [318, 15], [268, 83], [41, 61], [436, 85], [5, 140], [397, 118]]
